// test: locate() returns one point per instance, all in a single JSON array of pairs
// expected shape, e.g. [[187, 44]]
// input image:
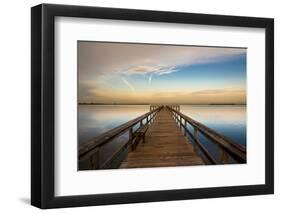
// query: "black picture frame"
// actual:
[[43, 101]]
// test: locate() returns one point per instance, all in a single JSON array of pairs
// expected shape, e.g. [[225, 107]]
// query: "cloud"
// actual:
[[218, 92], [208, 92], [142, 69], [148, 70], [126, 82], [150, 79], [166, 70]]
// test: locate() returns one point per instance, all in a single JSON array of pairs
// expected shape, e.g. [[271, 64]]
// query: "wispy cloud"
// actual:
[[150, 70], [150, 79], [209, 92], [126, 82], [213, 92], [166, 70], [143, 69]]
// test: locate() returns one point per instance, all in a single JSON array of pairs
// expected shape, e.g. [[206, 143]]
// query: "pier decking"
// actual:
[[164, 145]]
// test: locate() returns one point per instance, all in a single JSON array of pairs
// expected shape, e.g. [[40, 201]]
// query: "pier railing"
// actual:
[[89, 153], [227, 147]]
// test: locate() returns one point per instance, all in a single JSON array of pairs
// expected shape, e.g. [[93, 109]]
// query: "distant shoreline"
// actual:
[[211, 104]]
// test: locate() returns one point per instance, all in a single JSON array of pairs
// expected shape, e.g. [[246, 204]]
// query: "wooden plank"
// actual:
[[165, 146]]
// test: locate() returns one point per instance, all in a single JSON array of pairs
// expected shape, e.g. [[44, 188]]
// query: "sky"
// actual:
[[160, 74]]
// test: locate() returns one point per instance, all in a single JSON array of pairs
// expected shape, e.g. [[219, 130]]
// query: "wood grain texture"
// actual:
[[164, 146]]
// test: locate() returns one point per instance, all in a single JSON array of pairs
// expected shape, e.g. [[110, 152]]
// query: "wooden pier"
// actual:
[[160, 138], [164, 145]]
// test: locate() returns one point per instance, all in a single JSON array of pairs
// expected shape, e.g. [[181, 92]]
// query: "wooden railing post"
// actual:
[[131, 134], [184, 127], [224, 157], [95, 162], [195, 135], [180, 122], [131, 138]]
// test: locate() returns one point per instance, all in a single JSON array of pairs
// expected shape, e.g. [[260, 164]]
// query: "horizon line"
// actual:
[[93, 103]]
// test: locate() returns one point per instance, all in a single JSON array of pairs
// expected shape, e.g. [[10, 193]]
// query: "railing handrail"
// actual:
[[109, 135], [236, 150]]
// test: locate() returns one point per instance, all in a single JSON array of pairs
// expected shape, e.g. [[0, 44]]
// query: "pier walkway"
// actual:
[[164, 145]]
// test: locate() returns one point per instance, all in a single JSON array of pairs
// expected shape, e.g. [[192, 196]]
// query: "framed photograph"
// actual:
[[139, 106]]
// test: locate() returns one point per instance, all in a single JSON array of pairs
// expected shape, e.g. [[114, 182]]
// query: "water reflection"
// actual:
[[97, 119], [227, 120]]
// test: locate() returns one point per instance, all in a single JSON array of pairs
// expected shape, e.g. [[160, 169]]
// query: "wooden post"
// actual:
[[131, 138], [141, 123], [131, 133], [224, 157], [195, 135], [95, 162], [184, 127], [180, 122]]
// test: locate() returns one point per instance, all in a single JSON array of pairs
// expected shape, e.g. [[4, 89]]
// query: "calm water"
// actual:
[[227, 120]]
